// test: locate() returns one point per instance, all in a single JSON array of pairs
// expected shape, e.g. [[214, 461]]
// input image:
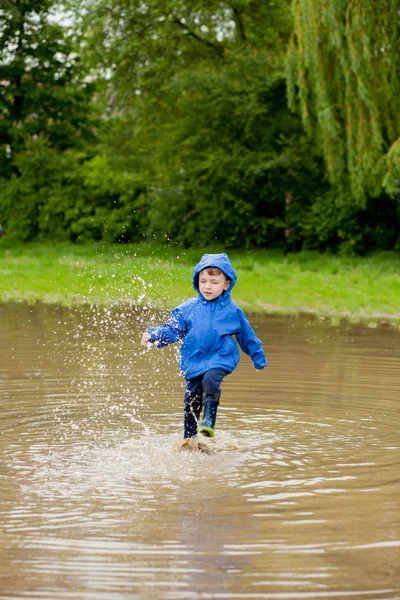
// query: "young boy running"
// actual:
[[206, 325]]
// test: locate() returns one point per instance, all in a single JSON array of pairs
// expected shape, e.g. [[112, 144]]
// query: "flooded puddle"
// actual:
[[299, 497]]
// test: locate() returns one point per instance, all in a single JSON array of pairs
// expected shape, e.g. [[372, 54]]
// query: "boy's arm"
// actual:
[[169, 332], [249, 342]]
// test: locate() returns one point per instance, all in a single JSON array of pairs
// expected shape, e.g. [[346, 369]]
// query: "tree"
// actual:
[[199, 92], [343, 78], [43, 92], [140, 44]]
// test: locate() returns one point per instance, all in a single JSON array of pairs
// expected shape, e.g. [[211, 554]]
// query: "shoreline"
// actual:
[[370, 320], [336, 288]]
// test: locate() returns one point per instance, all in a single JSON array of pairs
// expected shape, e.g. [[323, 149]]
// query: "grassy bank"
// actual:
[[337, 287]]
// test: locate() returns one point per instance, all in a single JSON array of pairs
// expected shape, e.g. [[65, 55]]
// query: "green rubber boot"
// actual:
[[209, 418]]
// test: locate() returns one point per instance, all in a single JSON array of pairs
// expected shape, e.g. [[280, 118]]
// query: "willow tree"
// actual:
[[343, 77]]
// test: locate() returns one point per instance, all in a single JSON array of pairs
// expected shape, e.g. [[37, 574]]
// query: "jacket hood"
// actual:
[[220, 261]]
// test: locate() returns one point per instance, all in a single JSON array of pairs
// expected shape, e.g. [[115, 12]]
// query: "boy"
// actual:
[[206, 325]]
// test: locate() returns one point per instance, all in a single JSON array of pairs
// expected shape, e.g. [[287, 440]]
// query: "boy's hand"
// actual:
[[145, 339]]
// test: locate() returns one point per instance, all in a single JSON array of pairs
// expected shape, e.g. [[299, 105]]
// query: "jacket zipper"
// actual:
[[210, 330]]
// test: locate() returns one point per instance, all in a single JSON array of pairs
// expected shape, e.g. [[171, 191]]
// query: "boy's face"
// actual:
[[212, 286]]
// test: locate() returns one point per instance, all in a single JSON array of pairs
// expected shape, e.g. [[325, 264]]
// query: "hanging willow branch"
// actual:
[[343, 77]]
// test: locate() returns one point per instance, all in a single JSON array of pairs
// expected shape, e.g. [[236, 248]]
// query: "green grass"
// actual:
[[268, 281]]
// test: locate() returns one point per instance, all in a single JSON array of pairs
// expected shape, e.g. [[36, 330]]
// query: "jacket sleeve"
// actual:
[[249, 342], [170, 332]]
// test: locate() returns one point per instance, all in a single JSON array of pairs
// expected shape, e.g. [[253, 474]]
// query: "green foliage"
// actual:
[[46, 197], [119, 203], [391, 182], [170, 120], [340, 224], [65, 196], [200, 90], [137, 42], [343, 76], [42, 83], [231, 153]]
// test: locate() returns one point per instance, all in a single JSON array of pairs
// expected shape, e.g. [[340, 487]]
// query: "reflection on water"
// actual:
[[300, 497]]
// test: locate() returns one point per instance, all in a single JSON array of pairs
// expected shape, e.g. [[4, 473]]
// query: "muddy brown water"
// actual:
[[300, 497]]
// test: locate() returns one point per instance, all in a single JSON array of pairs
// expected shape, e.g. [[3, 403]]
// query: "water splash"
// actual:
[[103, 341]]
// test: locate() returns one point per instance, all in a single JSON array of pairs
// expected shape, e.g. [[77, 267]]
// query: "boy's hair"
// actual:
[[212, 271]]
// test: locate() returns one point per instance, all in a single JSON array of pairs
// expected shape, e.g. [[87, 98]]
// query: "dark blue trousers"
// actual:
[[199, 389]]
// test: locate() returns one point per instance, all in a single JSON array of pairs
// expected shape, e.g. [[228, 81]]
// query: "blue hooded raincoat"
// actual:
[[207, 327]]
